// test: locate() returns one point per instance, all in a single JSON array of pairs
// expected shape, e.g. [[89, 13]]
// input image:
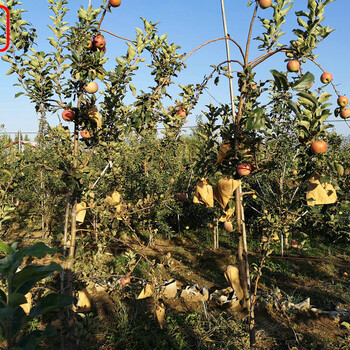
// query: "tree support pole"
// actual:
[[242, 253]]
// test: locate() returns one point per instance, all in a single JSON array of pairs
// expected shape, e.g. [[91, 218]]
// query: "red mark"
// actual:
[[7, 28]]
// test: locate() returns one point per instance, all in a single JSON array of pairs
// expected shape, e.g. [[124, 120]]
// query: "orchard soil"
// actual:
[[123, 322]]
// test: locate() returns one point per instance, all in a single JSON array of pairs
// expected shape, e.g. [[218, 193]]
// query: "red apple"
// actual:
[[125, 281], [182, 113], [86, 134], [293, 66], [345, 113], [264, 4], [228, 226], [294, 243], [68, 115], [181, 197], [318, 147], [114, 3], [326, 78], [342, 101], [244, 169], [91, 87], [99, 41]]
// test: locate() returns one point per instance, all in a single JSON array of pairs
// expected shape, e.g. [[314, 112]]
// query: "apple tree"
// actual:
[[272, 132]]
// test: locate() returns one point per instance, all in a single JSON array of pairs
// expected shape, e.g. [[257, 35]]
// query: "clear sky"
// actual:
[[188, 23]]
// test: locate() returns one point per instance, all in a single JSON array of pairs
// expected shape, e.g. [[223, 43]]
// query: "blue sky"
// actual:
[[188, 23]]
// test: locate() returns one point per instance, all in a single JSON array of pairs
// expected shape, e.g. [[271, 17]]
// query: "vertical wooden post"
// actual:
[[242, 252]]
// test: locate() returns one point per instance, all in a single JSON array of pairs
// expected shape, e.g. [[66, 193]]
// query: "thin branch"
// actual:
[[319, 66], [211, 41], [262, 58], [117, 36], [250, 35]]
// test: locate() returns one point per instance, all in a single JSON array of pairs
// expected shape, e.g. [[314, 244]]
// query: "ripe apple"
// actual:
[[294, 171], [86, 134], [326, 78], [318, 147], [68, 115], [244, 169], [293, 66], [114, 3], [182, 113], [345, 113], [181, 197], [99, 41], [342, 101], [91, 87], [294, 243], [228, 226], [264, 4], [124, 281]]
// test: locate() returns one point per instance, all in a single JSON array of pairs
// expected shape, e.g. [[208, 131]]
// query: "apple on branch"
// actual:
[[114, 3], [264, 4], [99, 42], [342, 101], [345, 113], [91, 87], [293, 66], [318, 147], [326, 77], [68, 115], [244, 169]]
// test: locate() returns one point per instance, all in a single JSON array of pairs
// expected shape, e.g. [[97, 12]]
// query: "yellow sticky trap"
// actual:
[[204, 193], [320, 193]]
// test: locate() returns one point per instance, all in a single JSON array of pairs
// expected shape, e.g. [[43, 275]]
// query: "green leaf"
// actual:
[[304, 83], [51, 302], [281, 80], [30, 341], [25, 279], [295, 108], [16, 299], [324, 179], [5, 248], [19, 94], [38, 250], [308, 96]]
